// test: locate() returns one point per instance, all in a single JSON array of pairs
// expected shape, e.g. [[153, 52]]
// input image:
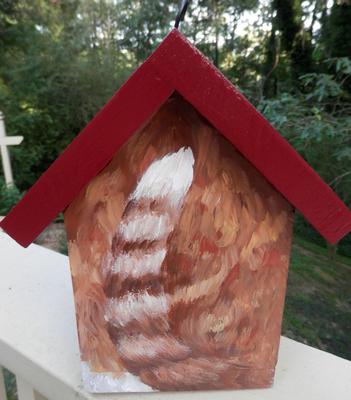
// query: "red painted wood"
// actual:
[[177, 65], [199, 82]]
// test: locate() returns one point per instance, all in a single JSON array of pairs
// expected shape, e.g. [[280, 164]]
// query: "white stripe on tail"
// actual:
[[120, 311], [145, 227], [139, 348], [136, 264]]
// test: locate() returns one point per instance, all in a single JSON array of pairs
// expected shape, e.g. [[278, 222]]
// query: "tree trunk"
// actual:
[[296, 40]]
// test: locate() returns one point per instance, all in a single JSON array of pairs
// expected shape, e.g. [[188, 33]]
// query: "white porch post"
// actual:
[[4, 142]]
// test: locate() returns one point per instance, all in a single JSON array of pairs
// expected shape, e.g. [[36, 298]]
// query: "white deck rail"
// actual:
[[38, 341]]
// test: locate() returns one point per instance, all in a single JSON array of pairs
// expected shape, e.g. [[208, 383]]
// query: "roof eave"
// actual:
[[176, 65]]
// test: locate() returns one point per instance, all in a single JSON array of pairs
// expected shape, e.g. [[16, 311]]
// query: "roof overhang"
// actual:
[[176, 65]]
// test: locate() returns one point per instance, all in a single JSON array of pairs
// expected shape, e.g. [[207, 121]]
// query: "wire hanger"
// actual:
[[183, 5]]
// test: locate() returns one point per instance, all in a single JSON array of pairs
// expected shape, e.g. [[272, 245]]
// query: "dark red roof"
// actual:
[[178, 66]]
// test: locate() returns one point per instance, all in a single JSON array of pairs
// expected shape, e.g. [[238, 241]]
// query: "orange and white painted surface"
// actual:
[[179, 253]]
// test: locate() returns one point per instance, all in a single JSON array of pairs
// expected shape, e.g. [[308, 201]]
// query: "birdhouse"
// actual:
[[178, 201]]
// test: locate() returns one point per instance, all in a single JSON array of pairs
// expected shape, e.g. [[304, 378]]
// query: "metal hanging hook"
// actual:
[[183, 5]]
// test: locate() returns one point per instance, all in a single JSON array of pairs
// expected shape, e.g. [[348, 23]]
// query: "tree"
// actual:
[[338, 30], [56, 72], [295, 38]]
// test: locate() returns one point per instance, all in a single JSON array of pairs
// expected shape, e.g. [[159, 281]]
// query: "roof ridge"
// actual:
[[176, 65]]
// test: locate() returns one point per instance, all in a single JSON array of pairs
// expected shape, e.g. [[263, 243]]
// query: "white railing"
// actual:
[[38, 341]]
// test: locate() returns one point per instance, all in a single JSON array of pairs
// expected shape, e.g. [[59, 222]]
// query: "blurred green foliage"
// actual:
[[62, 60], [9, 196]]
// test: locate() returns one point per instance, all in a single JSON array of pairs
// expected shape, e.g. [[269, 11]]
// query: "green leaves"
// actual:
[[323, 86], [317, 123], [344, 153], [9, 196], [342, 64], [55, 74]]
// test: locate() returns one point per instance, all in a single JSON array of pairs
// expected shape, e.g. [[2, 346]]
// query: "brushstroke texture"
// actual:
[[179, 252]]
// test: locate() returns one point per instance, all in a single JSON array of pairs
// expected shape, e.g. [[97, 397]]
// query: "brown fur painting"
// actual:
[[179, 252]]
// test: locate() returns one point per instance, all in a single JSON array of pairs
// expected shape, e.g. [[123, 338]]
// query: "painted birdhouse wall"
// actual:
[[179, 250]]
